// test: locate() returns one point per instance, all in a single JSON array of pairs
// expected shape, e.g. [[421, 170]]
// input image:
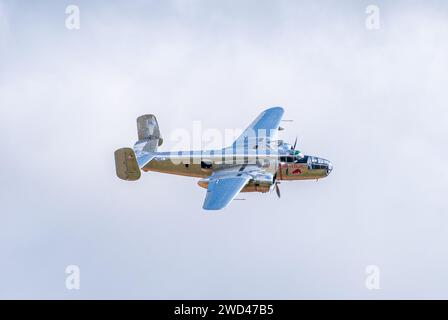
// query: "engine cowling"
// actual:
[[260, 183]]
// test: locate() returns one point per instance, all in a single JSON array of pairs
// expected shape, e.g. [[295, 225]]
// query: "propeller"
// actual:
[[296, 152], [276, 183], [277, 189], [295, 144]]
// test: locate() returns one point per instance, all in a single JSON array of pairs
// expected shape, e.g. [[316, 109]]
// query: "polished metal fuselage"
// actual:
[[202, 164]]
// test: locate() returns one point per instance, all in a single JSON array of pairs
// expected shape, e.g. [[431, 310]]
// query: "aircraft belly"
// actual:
[[190, 165], [182, 169]]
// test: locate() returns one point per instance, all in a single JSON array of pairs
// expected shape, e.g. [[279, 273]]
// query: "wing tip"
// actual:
[[276, 108], [211, 208], [208, 206]]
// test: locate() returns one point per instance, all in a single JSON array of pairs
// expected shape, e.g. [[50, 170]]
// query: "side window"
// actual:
[[287, 159], [301, 160]]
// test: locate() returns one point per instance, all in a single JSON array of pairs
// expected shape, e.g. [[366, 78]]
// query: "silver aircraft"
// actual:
[[256, 162]]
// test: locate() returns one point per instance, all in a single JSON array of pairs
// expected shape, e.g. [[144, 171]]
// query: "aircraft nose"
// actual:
[[329, 167]]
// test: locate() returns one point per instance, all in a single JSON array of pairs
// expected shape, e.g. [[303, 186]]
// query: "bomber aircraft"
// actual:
[[256, 161]]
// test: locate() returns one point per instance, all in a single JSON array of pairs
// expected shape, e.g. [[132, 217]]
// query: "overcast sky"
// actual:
[[372, 101]]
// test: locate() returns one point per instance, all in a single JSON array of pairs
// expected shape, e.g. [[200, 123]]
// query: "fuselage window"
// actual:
[[286, 159], [301, 160]]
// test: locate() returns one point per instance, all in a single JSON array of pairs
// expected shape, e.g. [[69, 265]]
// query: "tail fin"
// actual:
[[149, 132], [149, 139], [128, 162]]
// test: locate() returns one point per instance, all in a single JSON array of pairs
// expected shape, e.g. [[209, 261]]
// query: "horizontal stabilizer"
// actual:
[[126, 164]]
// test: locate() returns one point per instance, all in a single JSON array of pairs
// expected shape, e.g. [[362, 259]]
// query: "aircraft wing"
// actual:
[[223, 186], [263, 129]]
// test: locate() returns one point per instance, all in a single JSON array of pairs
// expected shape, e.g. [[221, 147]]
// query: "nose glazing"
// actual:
[[329, 167]]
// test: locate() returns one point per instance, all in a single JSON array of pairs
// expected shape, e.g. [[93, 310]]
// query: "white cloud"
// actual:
[[373, 102]]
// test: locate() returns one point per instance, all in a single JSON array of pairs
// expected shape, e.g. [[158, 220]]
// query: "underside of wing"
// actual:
[[222, 189]]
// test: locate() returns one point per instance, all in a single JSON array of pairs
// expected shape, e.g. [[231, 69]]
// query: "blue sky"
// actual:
[[372, 101]]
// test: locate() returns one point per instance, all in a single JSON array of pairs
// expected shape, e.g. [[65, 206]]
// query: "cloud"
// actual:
[[371, 101]]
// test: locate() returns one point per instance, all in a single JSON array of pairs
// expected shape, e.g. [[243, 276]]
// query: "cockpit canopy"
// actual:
[[290, 158], [319, 163], [315, 162]]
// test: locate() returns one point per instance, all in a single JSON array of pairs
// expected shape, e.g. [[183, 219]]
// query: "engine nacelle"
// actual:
[[260, 183]]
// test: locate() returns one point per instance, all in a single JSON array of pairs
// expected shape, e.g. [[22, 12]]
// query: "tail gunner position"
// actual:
[[256, 162]]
